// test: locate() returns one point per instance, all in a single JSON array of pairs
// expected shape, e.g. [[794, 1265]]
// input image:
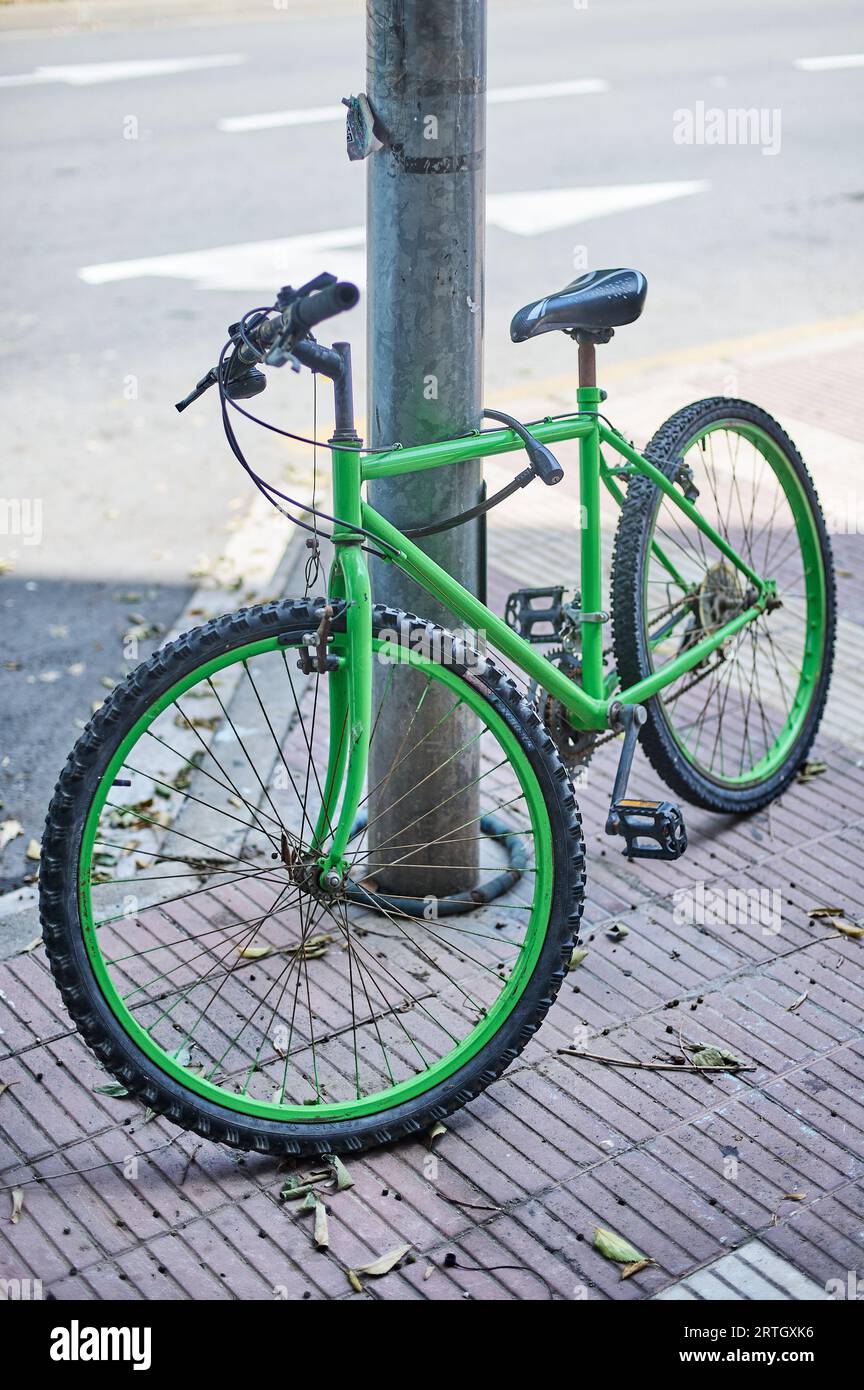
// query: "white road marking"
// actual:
[[258, 265], [538, 91], [264, 265], [90, 74], [313, 115], [838, 60], [546, 210]]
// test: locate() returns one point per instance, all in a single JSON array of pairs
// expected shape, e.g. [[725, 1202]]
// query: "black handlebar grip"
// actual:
[[325, 304]]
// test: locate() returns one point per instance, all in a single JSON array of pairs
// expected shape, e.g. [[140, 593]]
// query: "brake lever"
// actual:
[[203, 385]]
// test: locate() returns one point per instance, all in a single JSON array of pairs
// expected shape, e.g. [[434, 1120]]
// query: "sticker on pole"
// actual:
[[361, 127]]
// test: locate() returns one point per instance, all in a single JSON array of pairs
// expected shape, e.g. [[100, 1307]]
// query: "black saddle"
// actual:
[[595, 303]]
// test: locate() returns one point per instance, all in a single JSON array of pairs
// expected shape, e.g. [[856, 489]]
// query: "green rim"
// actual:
[[816, 599], [446, 1066]]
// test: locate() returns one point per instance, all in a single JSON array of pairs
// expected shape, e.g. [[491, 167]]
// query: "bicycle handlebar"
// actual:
[[271, 340], [313, 309]]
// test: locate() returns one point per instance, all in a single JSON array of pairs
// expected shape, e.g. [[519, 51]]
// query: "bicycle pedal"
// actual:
[[652, 829], [541, 609]]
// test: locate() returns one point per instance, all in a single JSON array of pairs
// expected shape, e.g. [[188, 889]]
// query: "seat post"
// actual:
[[587, 362]]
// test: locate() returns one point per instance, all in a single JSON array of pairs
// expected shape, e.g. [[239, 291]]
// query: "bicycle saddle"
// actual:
[[600, 300]]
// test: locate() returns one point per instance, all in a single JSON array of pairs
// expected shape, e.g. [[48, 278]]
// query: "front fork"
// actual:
[[350, 682]]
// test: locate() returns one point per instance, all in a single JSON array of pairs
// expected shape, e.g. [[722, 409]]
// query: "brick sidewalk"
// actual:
[[690, 1168]]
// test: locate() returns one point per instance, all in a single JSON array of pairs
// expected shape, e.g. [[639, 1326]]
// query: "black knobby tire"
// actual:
[[665, 450], [72, 968]]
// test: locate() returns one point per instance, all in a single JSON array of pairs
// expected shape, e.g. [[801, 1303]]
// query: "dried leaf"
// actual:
[[618, 931], [846, 928], [4, 1086], [385, 1262], [811, 770], [255, 952], [635, 1267], [343, 1178], [320, 1233], [824, 912], [17, 1204], [33, 850], [796, 1003], [577, 957], [707, 1055], [616, 1248], [794, 1196], [435, 1133], [9, 830], [294, 1189], [428, 1272], [354, 1281]]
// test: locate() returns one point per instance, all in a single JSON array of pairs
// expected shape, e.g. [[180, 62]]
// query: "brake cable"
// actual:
[[271, 492]]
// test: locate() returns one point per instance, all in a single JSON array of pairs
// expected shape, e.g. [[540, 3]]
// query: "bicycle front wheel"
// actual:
[[198, 953]]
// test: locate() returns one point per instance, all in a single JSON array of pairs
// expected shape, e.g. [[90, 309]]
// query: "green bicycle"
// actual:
[[216, 861]]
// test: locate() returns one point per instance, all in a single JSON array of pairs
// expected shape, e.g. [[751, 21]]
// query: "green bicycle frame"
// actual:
[[590, 703]]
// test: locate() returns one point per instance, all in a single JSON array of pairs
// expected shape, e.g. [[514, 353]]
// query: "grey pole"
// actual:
[[426, 80]]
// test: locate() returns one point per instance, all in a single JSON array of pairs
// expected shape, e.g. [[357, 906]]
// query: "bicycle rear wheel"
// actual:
[[731, 734], [199, 955]]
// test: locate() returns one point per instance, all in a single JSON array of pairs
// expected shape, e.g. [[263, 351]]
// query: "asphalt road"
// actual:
[[103, 167]]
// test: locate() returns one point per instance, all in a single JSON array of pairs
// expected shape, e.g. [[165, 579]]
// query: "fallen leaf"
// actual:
[[354, 1281], [33, 850], [615, 1247], [635, 1267], [255, 952], [794, 1196], [435, 1133], [846, 928], [293, 1190], [577, 957], [618, 931], [824, 912], [10, 830], [4, 1086], [343, 1178], [796, 1003], [17, 1204], [384, 1263], [320, 1232], [113, 1088], [811, 770], [37, 941], [707, 1055]]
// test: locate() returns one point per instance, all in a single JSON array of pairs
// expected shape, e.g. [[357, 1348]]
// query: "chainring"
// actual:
[[574, 746]]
